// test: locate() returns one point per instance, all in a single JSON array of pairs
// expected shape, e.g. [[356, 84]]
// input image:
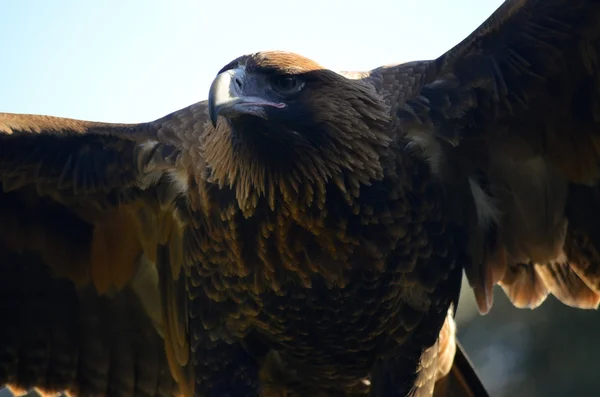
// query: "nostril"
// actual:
[[238, 82]]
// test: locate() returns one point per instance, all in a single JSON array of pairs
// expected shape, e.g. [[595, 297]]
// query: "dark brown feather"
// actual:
[[56, 337]]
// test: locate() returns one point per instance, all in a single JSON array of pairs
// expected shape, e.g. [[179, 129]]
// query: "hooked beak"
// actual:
[[228, 96]]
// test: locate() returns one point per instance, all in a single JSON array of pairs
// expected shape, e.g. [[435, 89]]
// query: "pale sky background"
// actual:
[[137, 60]]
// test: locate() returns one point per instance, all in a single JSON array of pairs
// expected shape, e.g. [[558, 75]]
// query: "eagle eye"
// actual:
[[286, 84]]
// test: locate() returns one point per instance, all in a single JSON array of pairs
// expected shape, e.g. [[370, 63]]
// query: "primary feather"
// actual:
[[305, 231]]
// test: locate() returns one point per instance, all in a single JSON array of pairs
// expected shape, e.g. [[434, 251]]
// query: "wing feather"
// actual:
[[445, 370], [90, 207], [515, 107]]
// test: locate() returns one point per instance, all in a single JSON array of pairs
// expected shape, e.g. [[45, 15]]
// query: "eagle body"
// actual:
[[329, 282], [303, 232], [326, 274]]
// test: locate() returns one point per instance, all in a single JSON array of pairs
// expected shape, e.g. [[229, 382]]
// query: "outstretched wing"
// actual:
[[92, 290], [516, 107]]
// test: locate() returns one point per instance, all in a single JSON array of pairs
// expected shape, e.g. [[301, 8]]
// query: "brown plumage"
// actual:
[[304, 232]]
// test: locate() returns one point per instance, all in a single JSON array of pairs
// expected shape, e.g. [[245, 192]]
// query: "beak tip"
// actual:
[[212, 114]]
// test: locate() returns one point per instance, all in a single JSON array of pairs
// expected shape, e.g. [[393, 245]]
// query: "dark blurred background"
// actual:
[[549, 351]]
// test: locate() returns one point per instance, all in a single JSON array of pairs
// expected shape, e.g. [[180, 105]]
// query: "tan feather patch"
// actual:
[[115, 250]]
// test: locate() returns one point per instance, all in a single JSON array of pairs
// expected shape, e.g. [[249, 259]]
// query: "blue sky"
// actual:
[[137, 60]]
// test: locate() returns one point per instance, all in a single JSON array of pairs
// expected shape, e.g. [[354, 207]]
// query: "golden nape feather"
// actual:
[[304, 232]]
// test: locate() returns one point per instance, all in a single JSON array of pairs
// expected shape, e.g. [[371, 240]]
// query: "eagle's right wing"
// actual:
[[92, 290]]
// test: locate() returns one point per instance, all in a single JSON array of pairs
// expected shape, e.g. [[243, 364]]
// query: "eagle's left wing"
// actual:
[[514, 110]]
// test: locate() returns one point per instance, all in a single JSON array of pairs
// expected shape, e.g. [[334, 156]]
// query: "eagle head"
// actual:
[[281, 119], [255, 85]]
